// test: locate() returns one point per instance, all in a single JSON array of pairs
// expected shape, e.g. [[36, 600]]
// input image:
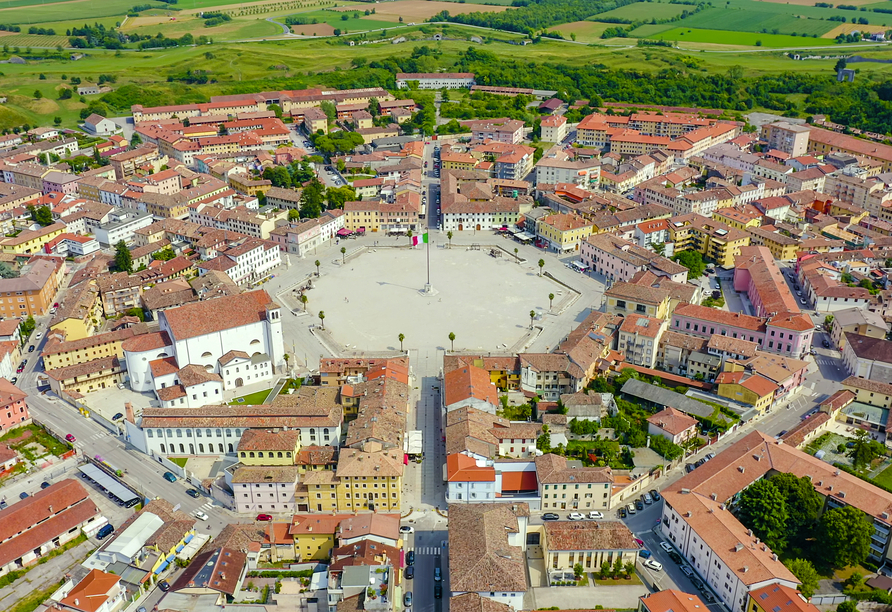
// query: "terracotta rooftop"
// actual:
[[588, 535], [672, 421]]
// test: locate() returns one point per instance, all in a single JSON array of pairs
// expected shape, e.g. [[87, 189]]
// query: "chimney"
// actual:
[[745, 569], [749, 532], [741, 468], [713, 496], [774, 557], [738, 547]]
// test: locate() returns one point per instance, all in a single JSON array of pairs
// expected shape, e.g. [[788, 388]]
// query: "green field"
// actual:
[[237, 29], [641, 11], [749, 39], [33, 40], [351, 24], [76, 10]]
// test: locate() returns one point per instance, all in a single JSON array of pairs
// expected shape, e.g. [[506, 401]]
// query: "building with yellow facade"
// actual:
[[31, 241], [314, 535], [744, 388], [587, 543], [369, 479], [776, 596], [738, 218], [458, 161], [782, 247], [80, 314], [261, 447], [60, 353], [34, 291], [627, 298], [248, 185], [714, 240], [563, 232]]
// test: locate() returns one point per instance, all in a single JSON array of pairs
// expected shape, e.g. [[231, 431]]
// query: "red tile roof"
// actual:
[[229, 312]]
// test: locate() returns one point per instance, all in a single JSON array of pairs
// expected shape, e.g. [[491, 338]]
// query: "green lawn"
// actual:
[[180, 461], [79, 9], [884, 478], [352, 24], [251, 399], [754, 16], [644, 11]]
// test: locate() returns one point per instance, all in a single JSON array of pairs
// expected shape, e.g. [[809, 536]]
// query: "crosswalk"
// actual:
[[205, 506], [82, 444], [827, 361], [428, 550]]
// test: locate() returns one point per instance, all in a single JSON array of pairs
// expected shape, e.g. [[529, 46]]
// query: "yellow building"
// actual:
[[782, 247], [261, 447], [87, 377], [315, 120], [369, 480], [31, 241], [745, 389], [737, 219], [844, 208], [80, 315], [458, 161], [314, 535], [60, 354], [245, 184], [870, 392], [715, 240], [321, 492], [626, 298], [563, 232]]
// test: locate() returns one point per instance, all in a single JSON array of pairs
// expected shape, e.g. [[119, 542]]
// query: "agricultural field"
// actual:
[[585, 31], [74, 10], [355, 21], [237, 29], [742, 39], [644, 11], [419, 10], [17, 39], [848, 28]]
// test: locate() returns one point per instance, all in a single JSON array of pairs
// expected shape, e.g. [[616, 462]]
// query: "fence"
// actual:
[[828, 600]]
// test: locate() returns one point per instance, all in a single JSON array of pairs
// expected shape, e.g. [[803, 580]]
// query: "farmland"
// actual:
[[742, 39], [643, 10], [418, 10]]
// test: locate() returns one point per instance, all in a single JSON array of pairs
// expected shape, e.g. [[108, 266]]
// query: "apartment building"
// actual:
[[856, 321], [32, 241], [566, 485], [33, 292], [126, 164], [563, 232], [554, 128], [639, 338], [59, 353], [436, 80], [787, 137], [122, 225], [380, 216], [245, 261], [477, 205], [756, 272], [713, 239], [624, 298], [510, 131], [621, 260]]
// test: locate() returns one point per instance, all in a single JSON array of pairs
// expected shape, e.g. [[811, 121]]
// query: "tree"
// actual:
[[629, 568], [449, 238], [847, 606], [516, 258], [317, 264], [865, 449], [618, 566], [343, 254], [578, 570], [37, 94], [693, 261], [803, 502], [293, 214], [321, 316], [541, 265], [8, 272], [303, 300], [840, 64], [337, 196], [401, 337], [452, 339], [165, 254], [550, 300], [57, 120], [844, 534], [41, 214], [828, 322], [659, 248], [805, 572], [135, 141], [123, 260], [532, 318], [27, 327], [763, 509], [409, 236], [543, 442]]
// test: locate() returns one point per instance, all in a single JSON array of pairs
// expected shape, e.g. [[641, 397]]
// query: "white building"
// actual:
[[554, 128], [265, 488], [100, 126], [436, 80], [122, 226], [552, 170], [207, 347], [247, 261]]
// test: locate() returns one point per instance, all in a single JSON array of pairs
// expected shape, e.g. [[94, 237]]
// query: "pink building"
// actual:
[[784, 334], [757, 273], [60, 182], [13, 409]]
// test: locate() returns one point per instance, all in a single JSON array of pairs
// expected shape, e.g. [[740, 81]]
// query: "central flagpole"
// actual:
[[428, 262]]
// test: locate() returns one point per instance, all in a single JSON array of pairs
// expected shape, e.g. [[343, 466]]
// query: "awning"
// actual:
[[519, 481], [162, 567], [189, 538], [344, 232], [171, 557], [180, 547]]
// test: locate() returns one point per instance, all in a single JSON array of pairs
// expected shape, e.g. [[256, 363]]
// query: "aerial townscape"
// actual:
[[445, 306]]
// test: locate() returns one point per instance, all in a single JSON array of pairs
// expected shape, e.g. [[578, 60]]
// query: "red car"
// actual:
[[264, 517], [70, 438]]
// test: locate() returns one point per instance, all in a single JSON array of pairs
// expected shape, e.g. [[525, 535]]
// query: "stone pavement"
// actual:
[[43, 576], [585, 598]]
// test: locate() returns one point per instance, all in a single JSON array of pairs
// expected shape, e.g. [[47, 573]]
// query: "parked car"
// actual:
[[23, 495], [407, 599], [647, 499], [410, 557], [709, 456], [118, 416], [689, 467], [201, 515], [666, 546], [631, 508], [550, 516], [193, 493], [45, 485], [170, 477], [438, 574], [687, 571], [31, 349], [655, 494], [676, 557], [575, 516], [644, 553], [708, 596], [654, 565], [407, 529], [698, 584], [622, 513], [594, 514], [105, 531], [699, 462], [70, 438], [782, 432], [410, 572], [826, 343], [264, 517], [164, 585], [38, 335], [438, 590], [14, 379], [639, 504], [3, 505]]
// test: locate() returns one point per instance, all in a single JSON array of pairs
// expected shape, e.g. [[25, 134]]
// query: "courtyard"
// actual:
[[484, 300]]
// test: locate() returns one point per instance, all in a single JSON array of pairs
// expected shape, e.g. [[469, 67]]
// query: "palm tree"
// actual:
[[532, 317], [322, 318], [401, 337], [550, 300], [449, 237], [343, 254], [303, 300], [452, 339], [516, 258], [541, 265], [409, 234], [317, 267]]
